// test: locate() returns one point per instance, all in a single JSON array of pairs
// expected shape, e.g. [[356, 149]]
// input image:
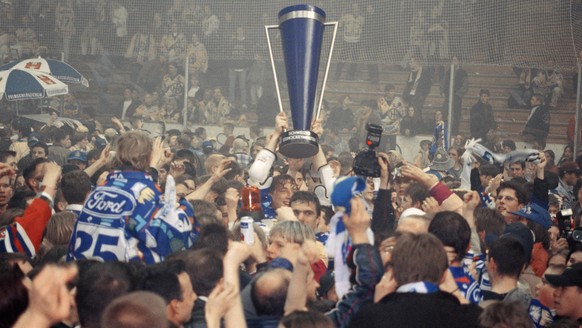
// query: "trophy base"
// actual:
[[299, 144]]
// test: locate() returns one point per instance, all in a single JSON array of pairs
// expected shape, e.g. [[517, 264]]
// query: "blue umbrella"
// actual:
[[62, 71], [21, 84]]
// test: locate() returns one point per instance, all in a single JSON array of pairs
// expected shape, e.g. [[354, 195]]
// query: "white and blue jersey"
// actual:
[[125, 220]]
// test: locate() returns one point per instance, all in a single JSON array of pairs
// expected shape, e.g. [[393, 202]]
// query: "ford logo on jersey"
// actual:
[[109, 203]]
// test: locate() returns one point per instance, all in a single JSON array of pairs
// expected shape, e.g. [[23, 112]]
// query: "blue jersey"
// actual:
[[466, 284], [125, 220]]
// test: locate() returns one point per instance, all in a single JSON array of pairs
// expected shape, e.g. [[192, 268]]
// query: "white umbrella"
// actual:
[[21, 84]]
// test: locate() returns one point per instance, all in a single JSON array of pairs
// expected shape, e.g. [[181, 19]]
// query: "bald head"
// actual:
[[135, 310], [269, 292]]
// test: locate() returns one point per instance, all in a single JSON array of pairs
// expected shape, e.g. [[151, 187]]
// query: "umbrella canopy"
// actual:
[[20, 84], [56, 68]]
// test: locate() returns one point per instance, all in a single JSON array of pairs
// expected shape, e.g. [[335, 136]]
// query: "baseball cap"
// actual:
[[484, 92], [77, 155], [413, 211], [572, 276], [207, 146], [535, 213], [523, 234]]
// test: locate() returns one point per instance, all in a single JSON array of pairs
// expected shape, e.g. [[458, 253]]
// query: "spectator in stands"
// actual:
[[26, 42], [4, 45], [173, 44], [170, 111], [368, 114], [342, 117], [71, 106], [142, 48], [238, 67], [149, 109], [218, 107], [172, 86], [418, 85], [119, 17], [352, 24], [567, 155], [198, 57], [549, 84], [537, 127], [65, 24], [127, 107], [482, 119], [411, 123], [461, 86], [89, 42], [257, 77]]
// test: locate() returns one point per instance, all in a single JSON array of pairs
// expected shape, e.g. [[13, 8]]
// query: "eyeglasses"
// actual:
[[387, 249]]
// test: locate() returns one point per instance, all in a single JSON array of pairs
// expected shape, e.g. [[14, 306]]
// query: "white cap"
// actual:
[[413, 211]]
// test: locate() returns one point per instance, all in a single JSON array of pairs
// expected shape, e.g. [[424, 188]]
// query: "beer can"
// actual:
[[247, 230]]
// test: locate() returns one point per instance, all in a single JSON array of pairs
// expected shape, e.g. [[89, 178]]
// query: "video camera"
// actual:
[[565, 224], [366, 161]]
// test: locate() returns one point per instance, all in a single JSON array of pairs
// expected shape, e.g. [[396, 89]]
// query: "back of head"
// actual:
[[509, 256], [418, 257], [239, 146], [417, 192], [269, 292], [212, 161], [133, 150], [136, 310], [293, 231], [452, 230], [306, 319], [14, 299], [204, 266], [98, 287], [213, 236], [505, 314], [162, 279], [75, 186], [488, 170], [60, 227]]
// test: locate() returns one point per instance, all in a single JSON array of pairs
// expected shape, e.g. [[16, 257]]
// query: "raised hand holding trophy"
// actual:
[[301, 28]]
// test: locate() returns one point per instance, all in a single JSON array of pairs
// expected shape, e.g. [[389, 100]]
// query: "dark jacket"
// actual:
[[413, 310], [538, 125], [198, 319], [367, 271], [482, 120]]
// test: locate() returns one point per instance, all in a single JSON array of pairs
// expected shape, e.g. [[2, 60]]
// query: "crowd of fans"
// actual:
[[111, 227], [120, 229]]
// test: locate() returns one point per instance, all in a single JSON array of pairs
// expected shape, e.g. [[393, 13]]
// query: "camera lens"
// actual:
[[577, 235]]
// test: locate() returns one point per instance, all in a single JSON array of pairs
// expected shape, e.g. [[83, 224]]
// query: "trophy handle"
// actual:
[[267, 28], [335, 26]]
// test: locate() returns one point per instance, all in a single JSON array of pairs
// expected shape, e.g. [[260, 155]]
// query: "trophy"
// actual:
[[301, 28]]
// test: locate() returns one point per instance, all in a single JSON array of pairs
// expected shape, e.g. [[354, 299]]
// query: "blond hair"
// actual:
[[133, 150], [60, 227]]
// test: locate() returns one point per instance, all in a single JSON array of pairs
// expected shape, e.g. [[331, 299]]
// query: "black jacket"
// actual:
[[539, 124], [413, 310]]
